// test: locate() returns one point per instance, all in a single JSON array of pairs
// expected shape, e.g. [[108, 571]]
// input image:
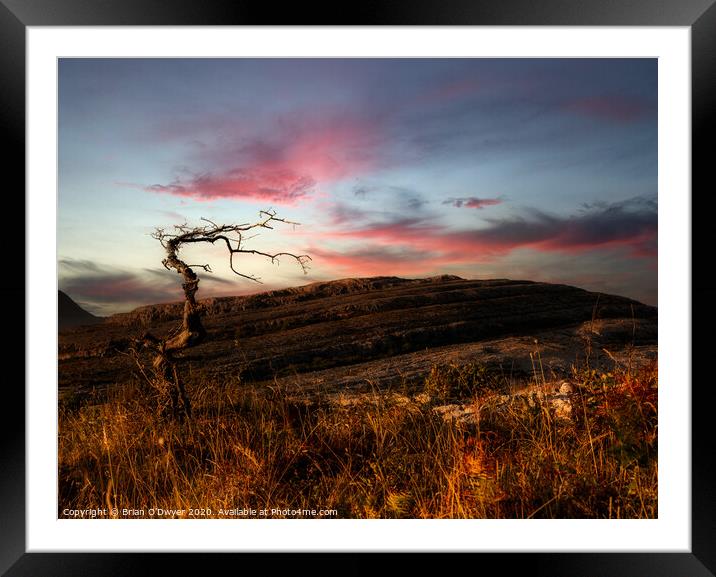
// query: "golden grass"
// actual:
[[385, 457]]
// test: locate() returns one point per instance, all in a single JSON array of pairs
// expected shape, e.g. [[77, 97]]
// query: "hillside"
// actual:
[[355, 333], [375, 398]]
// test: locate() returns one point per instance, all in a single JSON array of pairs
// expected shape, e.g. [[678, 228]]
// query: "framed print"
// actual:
[[474, 235]]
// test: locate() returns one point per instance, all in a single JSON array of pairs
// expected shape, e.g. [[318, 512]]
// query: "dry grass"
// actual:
[[601, 462], [383, 457]]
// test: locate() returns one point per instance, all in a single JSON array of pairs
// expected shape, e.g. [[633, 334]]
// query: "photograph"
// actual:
[[357, 288], [431, 277]]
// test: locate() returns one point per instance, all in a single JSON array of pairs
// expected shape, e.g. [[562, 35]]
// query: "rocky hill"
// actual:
[[374, 331]]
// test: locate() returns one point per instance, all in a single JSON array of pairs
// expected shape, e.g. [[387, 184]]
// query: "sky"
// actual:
[[536, 169]]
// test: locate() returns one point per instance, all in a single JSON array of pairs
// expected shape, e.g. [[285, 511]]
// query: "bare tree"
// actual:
[[232, 236], [165, 379]]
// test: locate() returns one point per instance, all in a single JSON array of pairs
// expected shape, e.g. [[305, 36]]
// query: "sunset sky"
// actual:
[[540, 169]]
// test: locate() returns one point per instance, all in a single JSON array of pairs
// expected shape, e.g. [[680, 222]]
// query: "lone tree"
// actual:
[[191, 331], [232, 236]]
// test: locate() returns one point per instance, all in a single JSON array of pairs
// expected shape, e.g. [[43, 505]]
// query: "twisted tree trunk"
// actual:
[[192, 330]]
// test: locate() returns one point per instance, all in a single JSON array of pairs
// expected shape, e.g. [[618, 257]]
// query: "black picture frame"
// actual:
[[17, 15]]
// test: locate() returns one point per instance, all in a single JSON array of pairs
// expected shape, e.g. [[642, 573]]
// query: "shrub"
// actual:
[[453, 381]]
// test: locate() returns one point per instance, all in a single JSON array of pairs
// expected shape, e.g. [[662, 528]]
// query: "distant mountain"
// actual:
[[70, 314]]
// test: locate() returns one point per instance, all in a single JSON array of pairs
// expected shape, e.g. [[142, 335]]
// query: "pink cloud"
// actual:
[[639, 244], [283, 167], [280, 186], [631, 225]]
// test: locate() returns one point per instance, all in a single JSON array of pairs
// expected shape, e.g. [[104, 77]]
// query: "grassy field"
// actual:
[[386, 454]]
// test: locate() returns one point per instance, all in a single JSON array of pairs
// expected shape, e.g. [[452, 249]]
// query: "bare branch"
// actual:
[[206, 267], [211, 222]]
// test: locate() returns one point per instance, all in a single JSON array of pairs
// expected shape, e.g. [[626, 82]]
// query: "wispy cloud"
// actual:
[[363, 190], [104, 288], [631, 225], [278, 186], [472, 202]]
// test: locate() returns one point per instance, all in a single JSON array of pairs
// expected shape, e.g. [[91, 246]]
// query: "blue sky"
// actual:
[[541, 169]]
